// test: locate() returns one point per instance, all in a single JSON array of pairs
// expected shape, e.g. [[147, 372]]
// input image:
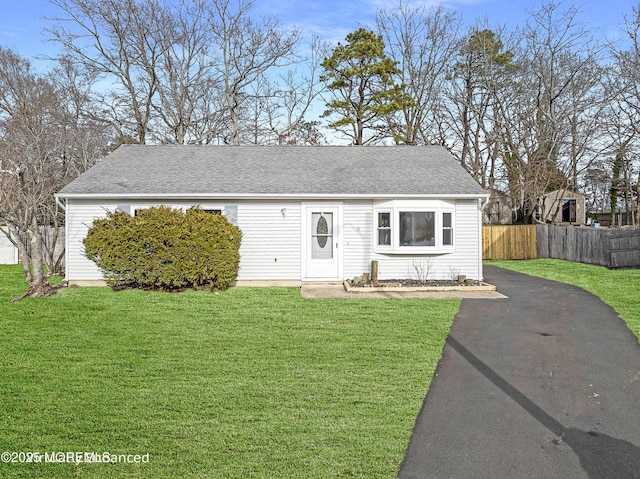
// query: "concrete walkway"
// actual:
[[337, 291], [544, 383]]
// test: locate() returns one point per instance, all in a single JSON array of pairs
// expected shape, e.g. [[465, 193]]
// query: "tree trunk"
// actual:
[[39, 283], [614, 192], [235, 118], [26, 267]]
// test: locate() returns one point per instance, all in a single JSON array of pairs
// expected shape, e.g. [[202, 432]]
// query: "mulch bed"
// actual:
[[412, 283]]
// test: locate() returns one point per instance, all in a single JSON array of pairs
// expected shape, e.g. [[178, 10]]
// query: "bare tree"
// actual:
[[564, 79], [85, 139], [596, 184], [482, 82], [281, 103], [624, 78], [424, 42], [549, 128], [247, 51], [83, 142], [113, 40], [183, 72], [24, 101], [171, 63], [37, 157]]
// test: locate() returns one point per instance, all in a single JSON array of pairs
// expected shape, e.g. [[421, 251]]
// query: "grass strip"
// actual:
[[246, 383]]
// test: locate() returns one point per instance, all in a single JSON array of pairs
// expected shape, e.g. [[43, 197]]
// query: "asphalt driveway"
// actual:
[[545, 383]]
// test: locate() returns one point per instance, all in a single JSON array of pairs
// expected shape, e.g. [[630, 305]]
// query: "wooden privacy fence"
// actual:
[[613, 248], [610, 247], [509, 242]]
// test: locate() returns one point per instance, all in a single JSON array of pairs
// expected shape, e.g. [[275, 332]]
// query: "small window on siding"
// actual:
[[231, 212], [384, 228], [124, 208], [447, 229]]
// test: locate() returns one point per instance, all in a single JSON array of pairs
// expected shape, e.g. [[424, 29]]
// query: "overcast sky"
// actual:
[[22, 21]]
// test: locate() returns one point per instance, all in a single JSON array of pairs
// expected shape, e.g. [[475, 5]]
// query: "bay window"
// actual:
[[411, 227]]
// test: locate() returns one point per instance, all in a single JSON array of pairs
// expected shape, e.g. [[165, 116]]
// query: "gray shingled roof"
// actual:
[[245, 171]]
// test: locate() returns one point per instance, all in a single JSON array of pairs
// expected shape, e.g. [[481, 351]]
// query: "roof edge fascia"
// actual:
[[265, 196]]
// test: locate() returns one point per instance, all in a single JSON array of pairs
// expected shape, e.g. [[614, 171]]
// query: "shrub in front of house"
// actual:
[[165, 248]]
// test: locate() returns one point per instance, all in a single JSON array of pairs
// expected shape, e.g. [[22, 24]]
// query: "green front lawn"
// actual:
[[247, 383], [620, 289]]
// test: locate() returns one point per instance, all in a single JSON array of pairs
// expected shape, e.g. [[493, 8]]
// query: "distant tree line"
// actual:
[[527, 109]]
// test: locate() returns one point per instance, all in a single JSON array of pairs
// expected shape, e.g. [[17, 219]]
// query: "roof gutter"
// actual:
[[263, 196]]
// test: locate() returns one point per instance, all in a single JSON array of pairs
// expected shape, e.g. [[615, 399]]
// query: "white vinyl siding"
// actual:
[[271, 247], [79, 218], [467, 230], [80, 215], [357, 234]]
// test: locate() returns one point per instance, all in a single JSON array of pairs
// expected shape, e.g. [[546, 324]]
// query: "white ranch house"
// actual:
[[320, 213]]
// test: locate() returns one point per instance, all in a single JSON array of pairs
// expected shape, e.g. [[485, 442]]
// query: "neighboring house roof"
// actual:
[[563, 194], [278, 171]]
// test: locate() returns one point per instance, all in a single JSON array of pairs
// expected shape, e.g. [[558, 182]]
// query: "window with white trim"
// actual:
[[405, 227], [231, 212], [383, 228], [417, 228], [447, 228], [124, 208]]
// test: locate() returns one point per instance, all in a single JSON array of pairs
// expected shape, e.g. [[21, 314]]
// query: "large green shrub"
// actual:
[[165, 248]]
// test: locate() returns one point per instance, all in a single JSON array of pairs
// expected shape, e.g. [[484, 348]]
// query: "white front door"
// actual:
[[322, 241]]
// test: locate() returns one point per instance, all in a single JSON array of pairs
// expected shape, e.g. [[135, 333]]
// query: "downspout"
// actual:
[[482, 205], [63, 207]]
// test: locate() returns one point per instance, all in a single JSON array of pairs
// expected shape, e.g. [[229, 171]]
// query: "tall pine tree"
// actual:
[[365, 96]]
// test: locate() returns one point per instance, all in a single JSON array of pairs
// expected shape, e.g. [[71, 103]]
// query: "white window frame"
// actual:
[[377, 227], [438, 207], [450, 228], [125, 208], [229, 210]]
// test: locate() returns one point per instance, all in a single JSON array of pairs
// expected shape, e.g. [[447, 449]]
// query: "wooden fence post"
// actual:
[[374, 271]]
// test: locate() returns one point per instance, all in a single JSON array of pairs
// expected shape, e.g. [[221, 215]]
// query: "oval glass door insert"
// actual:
[[321, 231]]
